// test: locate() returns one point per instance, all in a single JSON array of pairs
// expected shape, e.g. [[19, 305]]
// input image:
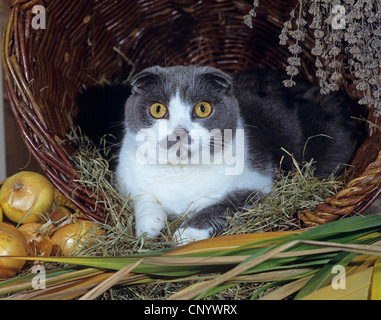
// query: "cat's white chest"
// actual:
[[181, 189], [184, 188]]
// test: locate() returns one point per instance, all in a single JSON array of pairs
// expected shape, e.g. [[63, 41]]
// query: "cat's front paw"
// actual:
[[186, 235], [151, 226], [149, 215]]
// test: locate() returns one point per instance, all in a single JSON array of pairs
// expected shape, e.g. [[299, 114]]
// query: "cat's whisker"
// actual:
[[112, 145], [116, 125], [251, 126]]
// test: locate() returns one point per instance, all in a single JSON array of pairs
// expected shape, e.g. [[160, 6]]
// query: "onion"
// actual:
[[38, 242], [75, 237], [26, 196], [61, 200], [12, 243], [59, 213]]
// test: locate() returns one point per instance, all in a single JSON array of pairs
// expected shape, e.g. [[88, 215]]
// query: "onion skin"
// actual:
[[39, 244], [12, 243], [59, 213], [26, 196], [75, 237]]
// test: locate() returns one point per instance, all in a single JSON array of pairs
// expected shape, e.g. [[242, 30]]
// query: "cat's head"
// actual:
[[182, 111]]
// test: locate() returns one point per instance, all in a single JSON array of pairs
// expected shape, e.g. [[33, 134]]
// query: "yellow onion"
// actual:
[[12, 243], [59, 213], [61, 200], [26, 196], [38, 242], [75, 237]]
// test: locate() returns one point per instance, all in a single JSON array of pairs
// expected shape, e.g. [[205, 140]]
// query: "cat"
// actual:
[[200, 141]]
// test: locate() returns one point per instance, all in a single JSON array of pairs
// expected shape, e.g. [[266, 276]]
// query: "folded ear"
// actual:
[[217, 78], [144, 80]]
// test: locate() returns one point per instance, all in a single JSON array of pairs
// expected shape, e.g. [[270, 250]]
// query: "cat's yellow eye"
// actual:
[[203, 109], [158, 110]]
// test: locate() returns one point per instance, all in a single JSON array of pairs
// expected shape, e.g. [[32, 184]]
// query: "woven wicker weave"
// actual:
[[88, 41]]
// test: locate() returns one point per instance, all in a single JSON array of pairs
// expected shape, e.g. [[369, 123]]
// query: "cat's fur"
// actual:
[[300, 120]]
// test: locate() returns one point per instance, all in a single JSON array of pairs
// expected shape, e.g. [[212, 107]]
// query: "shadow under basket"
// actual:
[[89, 42]]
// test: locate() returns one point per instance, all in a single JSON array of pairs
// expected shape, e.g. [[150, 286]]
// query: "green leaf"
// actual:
[[324, 276], [215, 290]]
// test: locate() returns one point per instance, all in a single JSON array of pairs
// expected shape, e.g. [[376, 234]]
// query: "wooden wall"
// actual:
[[17, 156]]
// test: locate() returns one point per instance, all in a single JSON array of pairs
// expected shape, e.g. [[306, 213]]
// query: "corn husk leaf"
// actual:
[[356, 283], [357, 287], [375, 285]]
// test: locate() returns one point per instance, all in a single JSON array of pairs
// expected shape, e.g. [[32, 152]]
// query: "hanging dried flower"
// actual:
[[289, 83], [352, 47], [292, 70], [362, 86], [318, 63], [318, 49], [336, 76], [333, 87], [366, 100], [294, 61], [298, 35], [321, 74], [248, 19], [335, 64], [318, 34], [295, 49], [334, 51], [377, 93]]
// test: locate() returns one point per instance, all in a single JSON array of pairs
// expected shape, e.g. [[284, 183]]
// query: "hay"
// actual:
[[293, 191], [162, 291]]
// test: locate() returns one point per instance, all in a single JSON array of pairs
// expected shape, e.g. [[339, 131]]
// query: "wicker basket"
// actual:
[[88, 41]]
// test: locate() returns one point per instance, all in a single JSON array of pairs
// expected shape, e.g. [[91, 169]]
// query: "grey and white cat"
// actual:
[[200, 141]]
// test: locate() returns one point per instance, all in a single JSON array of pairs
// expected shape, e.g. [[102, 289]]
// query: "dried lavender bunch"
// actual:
[[248, 19], [347, 37]]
